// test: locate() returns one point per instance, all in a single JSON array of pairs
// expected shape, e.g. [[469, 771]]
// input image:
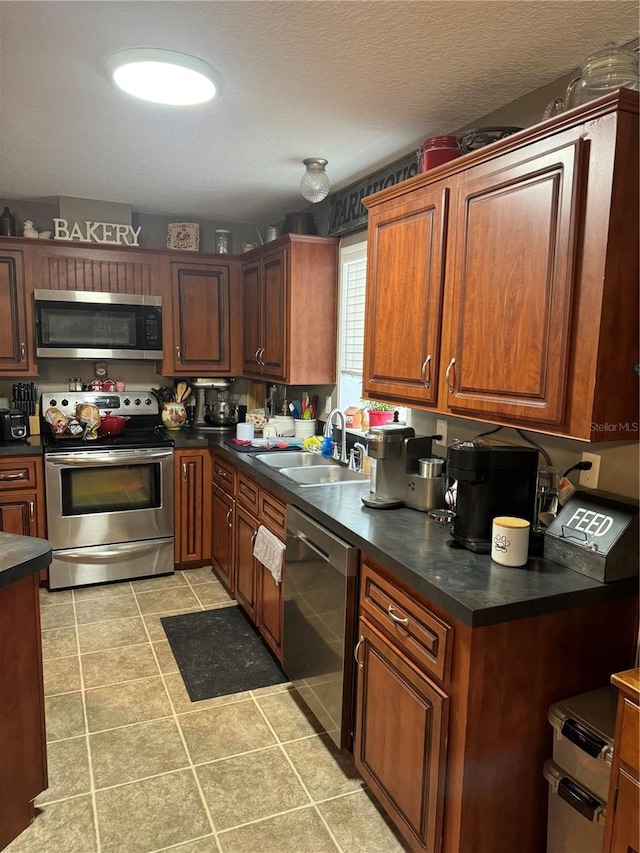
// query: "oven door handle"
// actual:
[[110, 554], [89, 459]]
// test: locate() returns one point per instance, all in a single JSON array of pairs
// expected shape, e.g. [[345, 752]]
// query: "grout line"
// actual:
[[92, 786], [184, 742], [297, 774]]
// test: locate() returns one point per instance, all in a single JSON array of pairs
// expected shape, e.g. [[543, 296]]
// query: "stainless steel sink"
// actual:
[[323, 475], [291, 459]]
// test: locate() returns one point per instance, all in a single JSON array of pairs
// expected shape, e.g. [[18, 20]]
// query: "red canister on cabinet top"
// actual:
[[438, 150]]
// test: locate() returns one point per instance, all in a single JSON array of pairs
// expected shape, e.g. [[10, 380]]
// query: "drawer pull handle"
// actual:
[[23, 351], [257, 355], [19, 476], [426, 381], [261, 359], [221, 473], [32, 511], [401, 620], [355, 652], [253, 538], [178, 355], [228, 517], [184, 471]]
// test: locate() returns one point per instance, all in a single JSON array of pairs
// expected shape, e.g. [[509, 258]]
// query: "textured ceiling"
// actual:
[[359, 82]]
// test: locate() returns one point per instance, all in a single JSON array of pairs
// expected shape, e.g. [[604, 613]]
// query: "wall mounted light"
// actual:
[[164, 76], [315, 185]]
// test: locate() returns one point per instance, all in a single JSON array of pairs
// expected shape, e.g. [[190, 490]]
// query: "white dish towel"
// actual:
[[269, 550]]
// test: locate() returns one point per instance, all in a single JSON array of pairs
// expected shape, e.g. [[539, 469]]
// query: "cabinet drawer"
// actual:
[[416, 631], [18, 474], [273, 513], [248, 494], [224, 475], [630, 735]]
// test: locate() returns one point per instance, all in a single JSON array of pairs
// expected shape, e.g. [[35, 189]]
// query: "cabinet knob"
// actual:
[[447, 374], [426, 380]]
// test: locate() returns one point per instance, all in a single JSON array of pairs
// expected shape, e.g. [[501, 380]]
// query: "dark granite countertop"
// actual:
[[421, 553], [21, 556], [27, 447]]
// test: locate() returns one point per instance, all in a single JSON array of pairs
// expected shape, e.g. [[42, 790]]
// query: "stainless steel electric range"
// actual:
[[109, 500]]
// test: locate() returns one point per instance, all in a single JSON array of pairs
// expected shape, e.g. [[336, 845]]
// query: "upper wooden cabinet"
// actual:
[[16, 315], [201, 324], [536, 241], [405, 282], [290, 310]]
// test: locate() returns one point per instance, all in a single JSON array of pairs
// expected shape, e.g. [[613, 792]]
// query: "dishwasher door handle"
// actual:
[[314, 547]]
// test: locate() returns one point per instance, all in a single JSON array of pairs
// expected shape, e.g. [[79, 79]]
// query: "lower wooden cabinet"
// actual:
[[246, 564], [192, 500], [222, 536], [22, 506], [622, 826], [400, 738], [269, 610]]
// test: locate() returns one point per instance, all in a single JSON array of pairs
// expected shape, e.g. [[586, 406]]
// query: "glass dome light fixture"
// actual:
[[315, 185], [164, 76]]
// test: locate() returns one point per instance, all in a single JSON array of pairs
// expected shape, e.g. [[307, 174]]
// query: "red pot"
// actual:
[[112, 424], [379, 418]]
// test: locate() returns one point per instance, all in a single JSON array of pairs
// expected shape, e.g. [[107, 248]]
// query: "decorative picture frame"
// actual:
[[183, 235]]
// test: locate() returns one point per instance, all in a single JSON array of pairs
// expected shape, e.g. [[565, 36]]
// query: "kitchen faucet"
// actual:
[[328, 430]]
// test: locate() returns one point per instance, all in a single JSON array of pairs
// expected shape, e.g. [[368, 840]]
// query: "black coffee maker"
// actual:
[[492, 480]]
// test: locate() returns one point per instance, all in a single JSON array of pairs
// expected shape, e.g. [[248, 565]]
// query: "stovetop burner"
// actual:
[[143, 430]]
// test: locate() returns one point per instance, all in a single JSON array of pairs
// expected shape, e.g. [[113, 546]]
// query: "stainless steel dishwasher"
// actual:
[[319, 617]]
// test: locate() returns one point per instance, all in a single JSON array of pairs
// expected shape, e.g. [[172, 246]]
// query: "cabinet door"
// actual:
[[222, 526], [251, 320], [201, 315], [625, 836], [192, 487], [15, 346], [510, 274], [245, 562], [19, 513], [275, 331], [405, 279], [400, 739], [270, 609]]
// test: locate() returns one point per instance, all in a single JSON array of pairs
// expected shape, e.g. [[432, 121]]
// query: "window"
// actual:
[[353, 279]]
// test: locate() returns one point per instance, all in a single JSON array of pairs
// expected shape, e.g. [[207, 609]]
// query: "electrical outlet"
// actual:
[[589, 478], [441, 429], [328, 404]]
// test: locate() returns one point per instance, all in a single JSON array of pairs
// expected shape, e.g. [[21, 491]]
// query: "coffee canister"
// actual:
[[436, 151]]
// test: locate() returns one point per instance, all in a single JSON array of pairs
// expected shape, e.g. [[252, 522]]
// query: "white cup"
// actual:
[[245, 432], [269, 431], [510, 541]]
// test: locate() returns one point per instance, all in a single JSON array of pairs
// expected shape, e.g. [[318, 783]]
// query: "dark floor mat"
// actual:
[[220, 652]]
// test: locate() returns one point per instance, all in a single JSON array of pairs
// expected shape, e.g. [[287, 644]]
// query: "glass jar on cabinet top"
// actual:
[[607, 69]]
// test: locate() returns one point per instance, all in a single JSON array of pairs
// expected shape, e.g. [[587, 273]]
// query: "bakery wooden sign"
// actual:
[[105, 233]]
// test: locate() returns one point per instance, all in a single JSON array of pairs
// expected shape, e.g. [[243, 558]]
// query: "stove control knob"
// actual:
[[53, 402], [147, 402], [64, 403], [127, 402], [137, 401]]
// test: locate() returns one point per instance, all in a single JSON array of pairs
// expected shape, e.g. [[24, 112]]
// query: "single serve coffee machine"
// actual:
[[396, 451], [491, 481]]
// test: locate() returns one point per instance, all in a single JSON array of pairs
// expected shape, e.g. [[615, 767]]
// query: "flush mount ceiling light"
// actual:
[[164, 76], [315, 185]]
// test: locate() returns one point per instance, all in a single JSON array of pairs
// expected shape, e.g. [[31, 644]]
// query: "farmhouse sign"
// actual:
[[346, 211], [106, 233]]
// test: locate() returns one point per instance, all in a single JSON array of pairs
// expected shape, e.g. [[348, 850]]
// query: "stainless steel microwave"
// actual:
[[85, 324]]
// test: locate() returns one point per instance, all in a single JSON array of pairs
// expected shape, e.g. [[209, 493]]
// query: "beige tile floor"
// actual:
[[136, 767]]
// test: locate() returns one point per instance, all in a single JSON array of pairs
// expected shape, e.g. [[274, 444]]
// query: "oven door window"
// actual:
[[114, 488]]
